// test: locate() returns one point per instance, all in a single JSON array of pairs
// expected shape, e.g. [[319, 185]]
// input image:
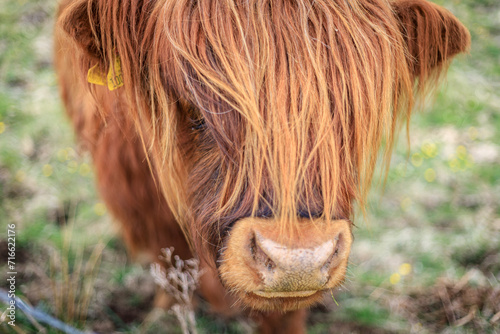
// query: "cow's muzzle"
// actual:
[[275, 266]]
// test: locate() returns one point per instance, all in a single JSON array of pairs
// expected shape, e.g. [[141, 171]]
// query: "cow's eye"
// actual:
[[310, 214], [197, 124], [195, 119]]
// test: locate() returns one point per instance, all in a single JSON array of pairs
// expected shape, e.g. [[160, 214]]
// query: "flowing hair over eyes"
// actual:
[[297, 97]]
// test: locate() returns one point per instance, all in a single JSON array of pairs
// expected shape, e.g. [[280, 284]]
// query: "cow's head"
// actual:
[[263, 120]]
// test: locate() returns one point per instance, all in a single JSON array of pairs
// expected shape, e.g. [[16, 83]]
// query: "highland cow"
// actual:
[[243, 132]]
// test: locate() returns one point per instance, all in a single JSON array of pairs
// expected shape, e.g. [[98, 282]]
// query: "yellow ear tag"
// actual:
[[113, 80]]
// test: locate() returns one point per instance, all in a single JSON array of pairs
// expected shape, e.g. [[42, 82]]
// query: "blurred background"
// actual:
[[426, 259]]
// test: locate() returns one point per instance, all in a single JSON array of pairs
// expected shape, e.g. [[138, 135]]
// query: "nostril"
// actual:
[[270, 265], [338, 244], [334, 256], [260, 257]]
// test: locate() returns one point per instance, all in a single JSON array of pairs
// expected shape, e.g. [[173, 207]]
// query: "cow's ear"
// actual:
[[79, 20], [432, 35]]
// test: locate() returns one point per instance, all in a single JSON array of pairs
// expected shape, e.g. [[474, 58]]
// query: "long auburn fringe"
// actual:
[[298, 96]]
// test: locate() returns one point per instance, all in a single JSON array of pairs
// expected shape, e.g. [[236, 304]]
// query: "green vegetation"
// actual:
[[433, 232]]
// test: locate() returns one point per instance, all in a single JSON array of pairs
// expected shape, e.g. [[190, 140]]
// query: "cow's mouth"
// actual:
[[284, 294], [283, 301]]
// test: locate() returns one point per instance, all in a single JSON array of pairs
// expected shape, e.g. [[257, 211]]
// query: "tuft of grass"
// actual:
[[72, 277]]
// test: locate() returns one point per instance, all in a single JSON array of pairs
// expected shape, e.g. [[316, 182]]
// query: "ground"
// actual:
[[426, 258]]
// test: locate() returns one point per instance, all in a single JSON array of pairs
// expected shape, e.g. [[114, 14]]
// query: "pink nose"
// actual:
[[269, 261], [288, 269]]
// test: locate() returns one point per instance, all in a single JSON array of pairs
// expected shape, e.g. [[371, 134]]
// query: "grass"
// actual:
[[438, 216]]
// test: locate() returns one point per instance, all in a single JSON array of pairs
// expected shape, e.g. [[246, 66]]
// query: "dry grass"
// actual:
[[180, 280], [72, 282]]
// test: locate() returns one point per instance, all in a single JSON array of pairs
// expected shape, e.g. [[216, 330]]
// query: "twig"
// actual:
[[445, 299], [495, 318], [468, 318], [40, 316]]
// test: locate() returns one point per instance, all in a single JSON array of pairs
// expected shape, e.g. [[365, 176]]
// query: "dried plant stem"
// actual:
[[180, 280]]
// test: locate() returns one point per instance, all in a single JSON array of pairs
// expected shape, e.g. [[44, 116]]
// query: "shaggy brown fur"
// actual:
[[232, 109]]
